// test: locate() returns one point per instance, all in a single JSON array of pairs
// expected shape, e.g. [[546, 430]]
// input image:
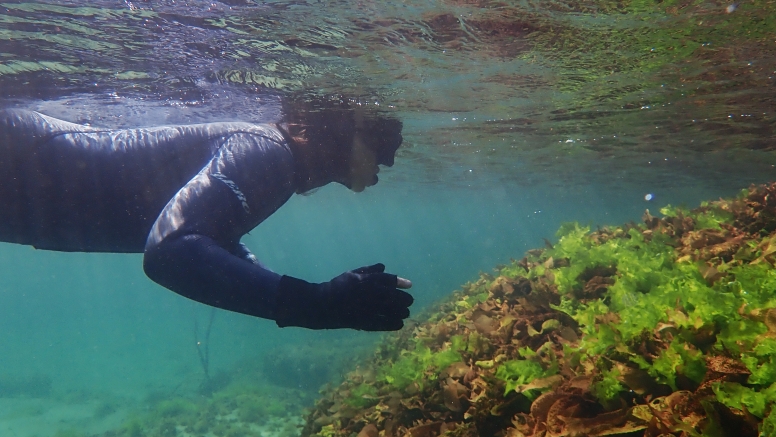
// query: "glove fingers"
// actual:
[[382, 309], [396, 313], [384, 297], [396, 297], [376, 268], [393, 304], [381, 323], [381, 280], [367, 298]]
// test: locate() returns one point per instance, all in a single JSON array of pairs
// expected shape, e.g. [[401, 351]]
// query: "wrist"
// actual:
[[297, 303]]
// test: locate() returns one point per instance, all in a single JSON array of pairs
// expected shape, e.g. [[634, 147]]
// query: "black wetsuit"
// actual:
[[184, 195]]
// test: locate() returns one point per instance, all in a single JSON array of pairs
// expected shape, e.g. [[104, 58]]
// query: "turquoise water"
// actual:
[[102, 332], [518, 116]]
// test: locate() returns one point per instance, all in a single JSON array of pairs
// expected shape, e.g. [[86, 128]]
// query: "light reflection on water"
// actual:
[[481, 85]]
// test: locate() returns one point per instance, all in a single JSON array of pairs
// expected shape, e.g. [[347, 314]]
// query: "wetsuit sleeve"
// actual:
[[244, 253], [194, 249]]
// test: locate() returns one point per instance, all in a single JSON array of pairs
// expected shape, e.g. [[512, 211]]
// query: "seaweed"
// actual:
[[516, 374], [309, 366], [244, 408], [413, 366], [662, 328], [362, 395]]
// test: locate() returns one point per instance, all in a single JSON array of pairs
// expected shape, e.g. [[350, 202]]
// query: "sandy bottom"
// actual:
[[49, 418]]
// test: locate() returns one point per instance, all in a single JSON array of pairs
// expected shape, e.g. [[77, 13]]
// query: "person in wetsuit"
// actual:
[[185, 195]]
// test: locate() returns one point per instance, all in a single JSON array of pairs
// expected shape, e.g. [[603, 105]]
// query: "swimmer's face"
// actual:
[[372, 145], [363, 165]]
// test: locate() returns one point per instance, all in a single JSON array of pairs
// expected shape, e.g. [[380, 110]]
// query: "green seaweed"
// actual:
[[669, 326], [361, 396], [179, 408], [673, 361], [737, 396], [768, 427], [133, 427], [252, 409], [712, 219], [515, 373], [651, 288], [233, 411], [608, 387], [761, 362], [413, 365]]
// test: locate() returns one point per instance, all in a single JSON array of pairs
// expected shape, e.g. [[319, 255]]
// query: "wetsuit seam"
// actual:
[[232, 185]]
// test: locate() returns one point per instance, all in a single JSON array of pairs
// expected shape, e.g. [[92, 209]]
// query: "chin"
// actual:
[[357, 188]]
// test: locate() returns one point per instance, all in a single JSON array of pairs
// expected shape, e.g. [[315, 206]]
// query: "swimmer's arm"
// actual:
[[186, 252], [241, 251], [197, 267], [193, 248]]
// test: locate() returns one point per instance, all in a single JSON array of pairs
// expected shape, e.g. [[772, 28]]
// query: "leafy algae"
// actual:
[[665, 328]]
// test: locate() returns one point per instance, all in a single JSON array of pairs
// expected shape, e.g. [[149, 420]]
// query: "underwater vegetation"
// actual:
[[664, 328], [239, 410], [262, 395], [309, 366]]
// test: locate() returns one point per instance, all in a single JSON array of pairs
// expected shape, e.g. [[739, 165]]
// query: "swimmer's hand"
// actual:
[[366, 299]]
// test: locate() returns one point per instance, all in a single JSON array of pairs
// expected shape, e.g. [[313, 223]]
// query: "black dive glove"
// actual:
[[366, 299]]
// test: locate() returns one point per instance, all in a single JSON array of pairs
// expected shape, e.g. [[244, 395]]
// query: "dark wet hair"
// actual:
[[333, 123]]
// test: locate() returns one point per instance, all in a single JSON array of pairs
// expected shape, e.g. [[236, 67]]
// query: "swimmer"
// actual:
[[185, 195]]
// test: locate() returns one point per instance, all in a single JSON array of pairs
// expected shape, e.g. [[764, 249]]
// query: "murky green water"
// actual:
[[518, 115]]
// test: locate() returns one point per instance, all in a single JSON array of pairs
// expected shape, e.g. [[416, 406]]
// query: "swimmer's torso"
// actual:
[[74, 188]]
